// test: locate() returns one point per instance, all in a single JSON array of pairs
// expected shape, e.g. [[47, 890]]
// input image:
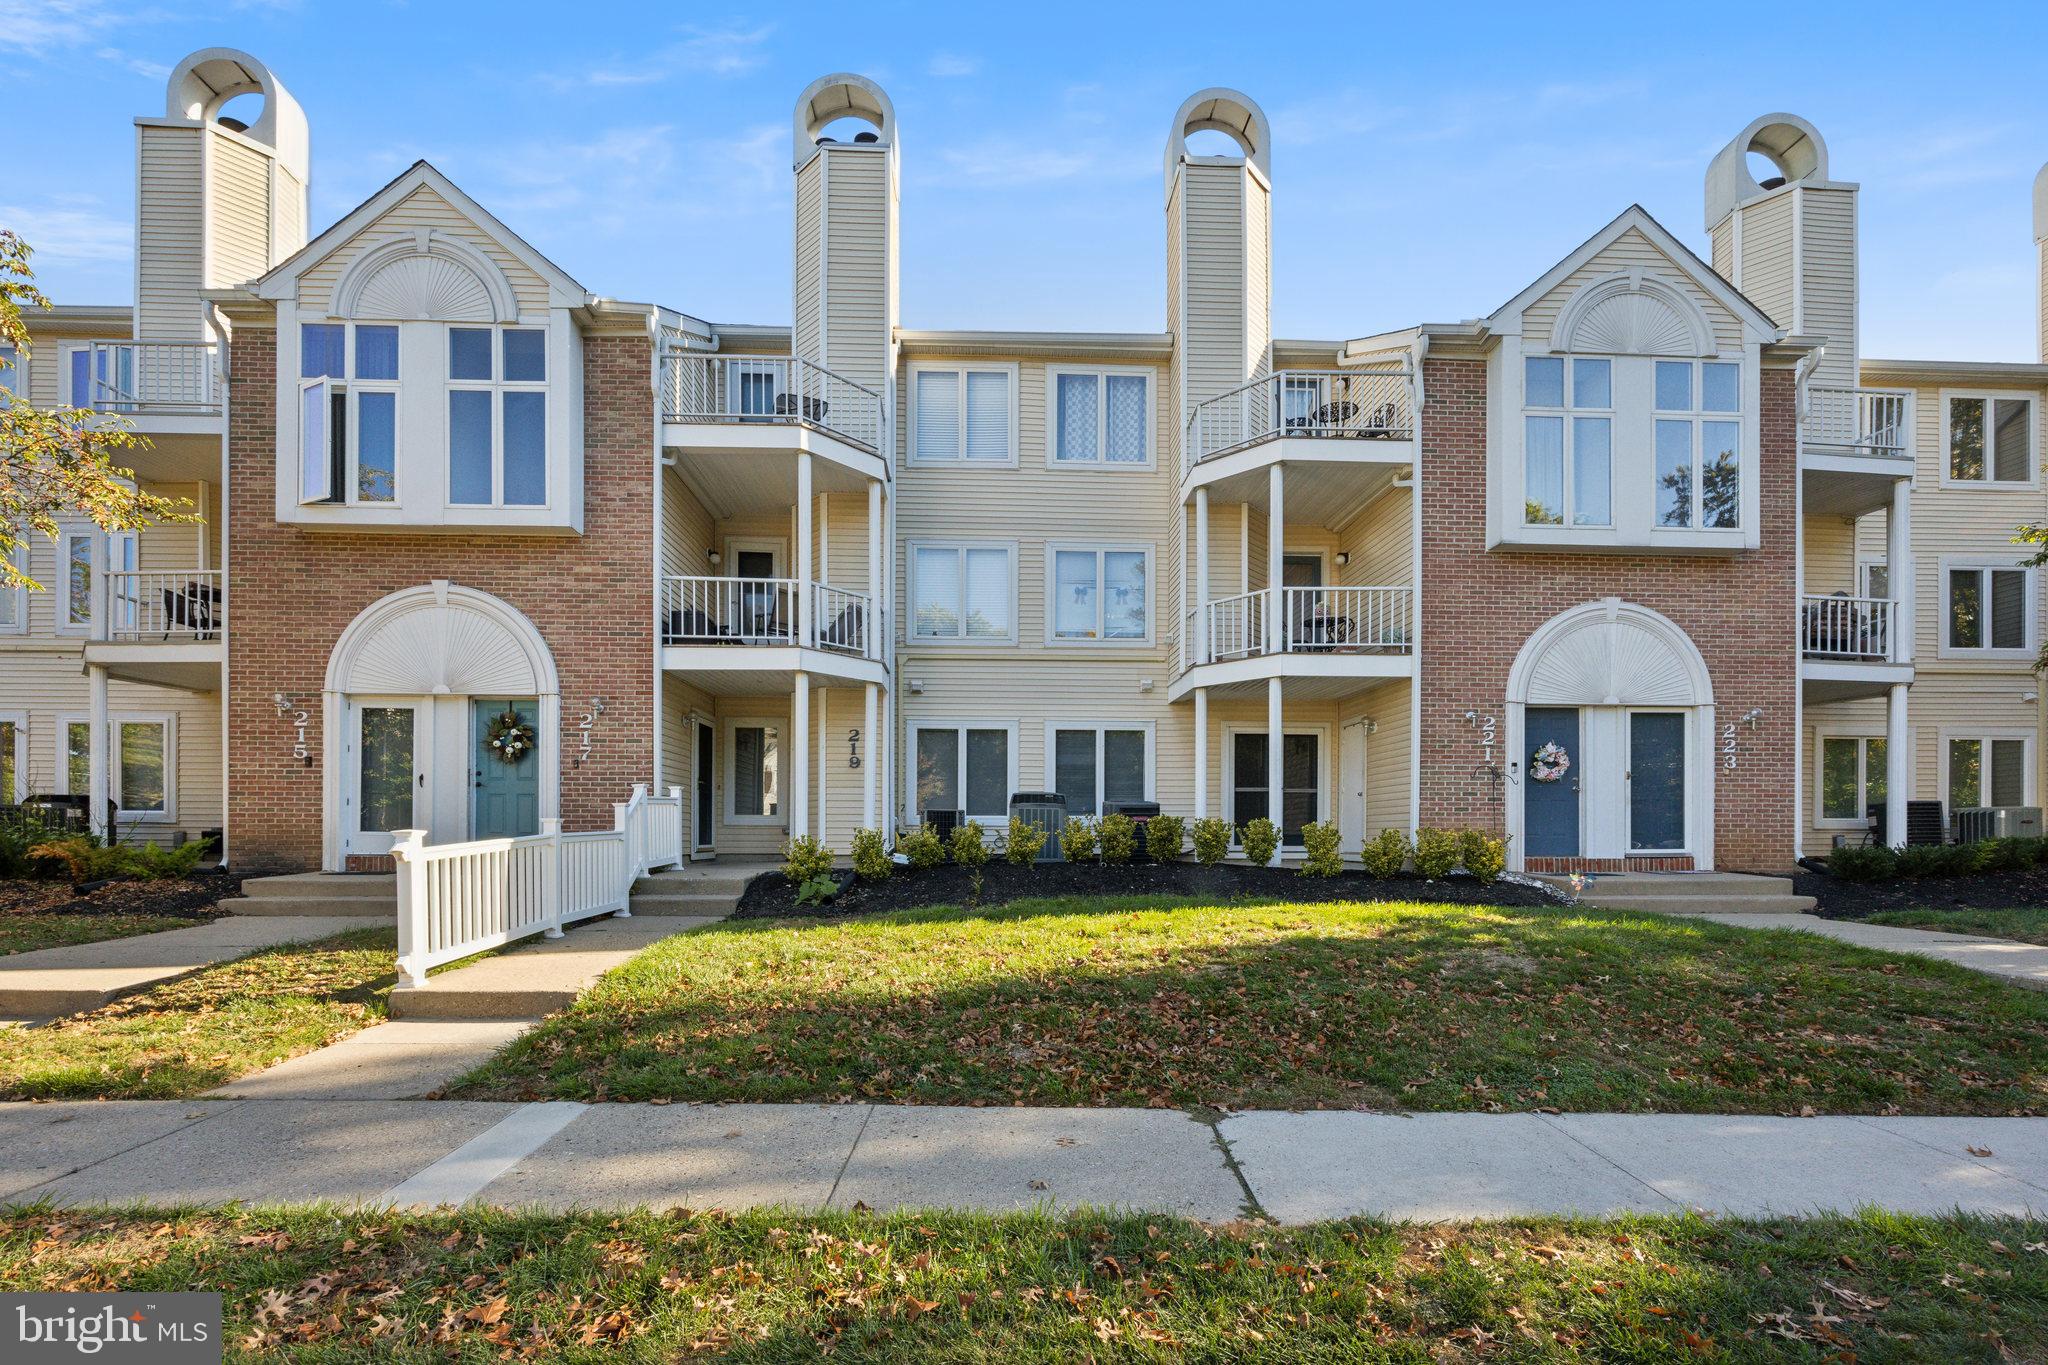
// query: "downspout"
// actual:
[[218, 322], [1419, 351]]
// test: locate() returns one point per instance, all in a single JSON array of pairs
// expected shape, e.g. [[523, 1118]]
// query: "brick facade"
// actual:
[[295, 590], [1479, 606]]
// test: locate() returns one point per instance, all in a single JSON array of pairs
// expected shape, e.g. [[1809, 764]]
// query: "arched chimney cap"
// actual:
[[840, 95], [1793, 145], [2041, 205], [1226, 111], [212, 76]]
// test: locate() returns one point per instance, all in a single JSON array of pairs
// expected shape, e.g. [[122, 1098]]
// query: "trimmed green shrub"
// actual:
[[805, 859], [970, 848], [922, 847], [1212, 840], [1119, 837], [1024, 842], [871, 856], [78, 859], [1163, 837], [1436, 853], [22, 829], [1485, 855], [1320, 850], [1386, 853], [2005, 855], [1077, 840], [1870, 863], [162, 863], [1261, 841]]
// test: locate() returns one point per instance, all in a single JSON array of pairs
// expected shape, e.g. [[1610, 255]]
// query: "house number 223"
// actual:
[[1728, 747]]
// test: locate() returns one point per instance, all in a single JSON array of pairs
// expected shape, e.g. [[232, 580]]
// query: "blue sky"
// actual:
[[1429, 160]]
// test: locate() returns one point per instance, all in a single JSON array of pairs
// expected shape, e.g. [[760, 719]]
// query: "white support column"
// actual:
[[800, 757], [98, 784], [1897, 766], [1276, 556], [1201, 640], [803, 552], [1201, 753], [874, 611], [101, 594], [1276, 743], [1898, 568], [871, 755], [824, 709]]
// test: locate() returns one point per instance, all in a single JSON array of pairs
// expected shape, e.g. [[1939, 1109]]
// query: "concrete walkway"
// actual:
[[1294, 1167], [84, 976], [2023, 964], [538, 976]]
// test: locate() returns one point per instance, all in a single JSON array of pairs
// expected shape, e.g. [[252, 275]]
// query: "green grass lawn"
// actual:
[[25, 933], [1091, 1002], [334, 1285], [199, 1031], [2024, 926]]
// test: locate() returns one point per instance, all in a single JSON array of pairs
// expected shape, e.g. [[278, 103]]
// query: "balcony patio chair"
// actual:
[[814, 409], [848, 632], [1380, 426], [192, 609], [692, 626]]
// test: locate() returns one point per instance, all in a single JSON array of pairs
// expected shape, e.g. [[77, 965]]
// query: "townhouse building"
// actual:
[[1647, 568]]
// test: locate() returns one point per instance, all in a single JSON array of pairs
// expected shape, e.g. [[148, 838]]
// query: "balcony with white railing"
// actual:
[[735, 614], [1305, 631], [1854, 629], [768, 392], [1866, 422], [142, 379], [166, 605], [1312, 406]]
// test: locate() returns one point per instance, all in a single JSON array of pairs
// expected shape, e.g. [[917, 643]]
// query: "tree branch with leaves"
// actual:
[[59, 461]]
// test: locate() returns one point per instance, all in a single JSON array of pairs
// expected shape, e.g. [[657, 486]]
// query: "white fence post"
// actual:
[[412, 905], [551, 877], [631, 818]]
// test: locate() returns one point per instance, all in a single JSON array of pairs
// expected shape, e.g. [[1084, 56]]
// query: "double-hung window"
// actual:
[[13, 375], [753, 793], [1098, 593], [1852, 779], [1698, 444], [13, 757], [1990, 438], [963, 592], [74, 583], [14, 602], [497, 416], [1096, 764], [963, 414], [141, 756], [1990, 609], [348, 412], [1101, 417], [1987, 770], [1568, 434], [966, 768]]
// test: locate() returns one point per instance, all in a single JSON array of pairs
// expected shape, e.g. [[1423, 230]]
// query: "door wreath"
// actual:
[[511, 738], [1549, 763]]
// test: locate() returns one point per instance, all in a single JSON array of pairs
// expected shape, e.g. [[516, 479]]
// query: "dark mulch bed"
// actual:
[[771, 896], [1985, 891], [186, 898]]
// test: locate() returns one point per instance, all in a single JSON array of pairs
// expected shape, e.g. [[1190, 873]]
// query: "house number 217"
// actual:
[[1728, 747]]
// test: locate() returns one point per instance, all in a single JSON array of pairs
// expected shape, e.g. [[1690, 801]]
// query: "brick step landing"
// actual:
[[1689, 893]]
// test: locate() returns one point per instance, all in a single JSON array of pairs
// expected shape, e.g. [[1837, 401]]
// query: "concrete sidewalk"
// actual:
[[1296, 1167], [84, 976], [2023, 964]]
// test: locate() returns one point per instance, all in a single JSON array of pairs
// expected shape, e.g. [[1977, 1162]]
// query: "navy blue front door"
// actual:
[[1550, 810], [506, 795]]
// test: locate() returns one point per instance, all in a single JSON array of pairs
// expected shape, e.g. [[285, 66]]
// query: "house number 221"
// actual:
[[1728, 747]]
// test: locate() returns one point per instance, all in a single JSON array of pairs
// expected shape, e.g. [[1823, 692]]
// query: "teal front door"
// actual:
[[504, 797]]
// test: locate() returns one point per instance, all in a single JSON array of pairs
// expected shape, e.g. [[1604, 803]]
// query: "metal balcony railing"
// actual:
[[699, 610], [143, 378], [769, 390], [1853, 421], [1848, 628], [1302, 620], [1370, 405]]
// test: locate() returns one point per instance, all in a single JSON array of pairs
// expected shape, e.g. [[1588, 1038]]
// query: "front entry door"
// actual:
[[504, 797], [707, 803], [1656, 781], [1351, 787], [1550, 810], [384, 775]]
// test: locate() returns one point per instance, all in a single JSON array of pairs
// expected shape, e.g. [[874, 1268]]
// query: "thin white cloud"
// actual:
[[951, 65], [729, 51], [71, 228], [140, 66]]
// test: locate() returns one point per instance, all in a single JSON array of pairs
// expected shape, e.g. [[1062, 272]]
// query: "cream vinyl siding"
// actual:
[[1767, 256], [1215, 329], [1389, 751], [1831, 544], [804, 337], [423, 208], [857, 264], [1724, 252], [1381, 547], [239, 241], [1631, 250], [291, 213], [686, 528], [170, 240], [1865, 716], [1828, 263]]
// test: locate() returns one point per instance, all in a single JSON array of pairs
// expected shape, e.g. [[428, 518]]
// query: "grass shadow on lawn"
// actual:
[[1282, 1006]]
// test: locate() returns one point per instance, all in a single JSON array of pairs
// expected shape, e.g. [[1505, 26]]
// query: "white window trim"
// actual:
[[733, 725], [19, 556], [963, 640], [1098, 549], [19, 720], [2033, 478], [1150, 728], [1863, 567], [62, 585], [960, 728], [1569, 445], [1053, 459], [774, 546], [1323, 779], [14, 378], [115, 720], [1985, 734], [958, 459], [1697, 417], [1862, 734], [1945, 650], [497, 386]]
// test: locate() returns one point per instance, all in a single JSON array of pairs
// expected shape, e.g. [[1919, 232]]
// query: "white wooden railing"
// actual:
[[169, 377], [698, 610], [839, 618], [769, 389], [166, 604], [1299, 620], [1848, 627], [1373, 405], [459, 899], [1237, 626], [1853, 421]]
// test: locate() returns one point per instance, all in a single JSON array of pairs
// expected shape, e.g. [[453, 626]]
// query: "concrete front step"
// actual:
[[1689, 893], [365, 895], [1703, 905], [706, 907]]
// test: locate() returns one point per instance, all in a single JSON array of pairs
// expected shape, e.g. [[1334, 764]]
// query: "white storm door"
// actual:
[[1351, 788], [384, 773]]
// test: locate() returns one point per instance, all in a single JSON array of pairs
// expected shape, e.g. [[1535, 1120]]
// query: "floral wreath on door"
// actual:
[[1549, 763]]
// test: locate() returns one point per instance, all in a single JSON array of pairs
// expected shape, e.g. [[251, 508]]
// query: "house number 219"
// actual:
[[1728, 747]]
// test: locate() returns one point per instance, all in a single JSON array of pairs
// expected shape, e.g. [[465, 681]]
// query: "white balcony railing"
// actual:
[[769, 389], [141, 378], [1299, 620], [1859, 628], [1370, 405], [1853, 421], [763, 611], [166, 604]]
